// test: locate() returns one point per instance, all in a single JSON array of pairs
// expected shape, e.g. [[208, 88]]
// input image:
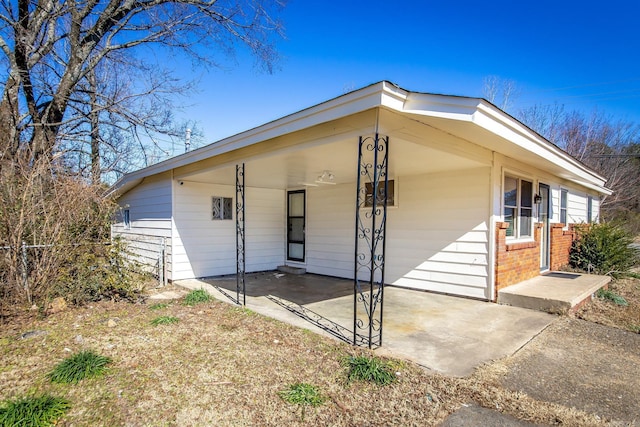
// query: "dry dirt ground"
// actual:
[[222, 365]]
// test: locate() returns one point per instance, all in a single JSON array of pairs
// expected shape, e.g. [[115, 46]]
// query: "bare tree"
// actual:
[[50, 47], [118, 114], [607, 145], [500, 92]]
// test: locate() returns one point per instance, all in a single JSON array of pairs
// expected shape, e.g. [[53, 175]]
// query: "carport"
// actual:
[[357, 186]]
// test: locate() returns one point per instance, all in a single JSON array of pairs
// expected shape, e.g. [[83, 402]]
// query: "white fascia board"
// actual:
[[504, 126], [375, 95], [484, 114], [441, 106]]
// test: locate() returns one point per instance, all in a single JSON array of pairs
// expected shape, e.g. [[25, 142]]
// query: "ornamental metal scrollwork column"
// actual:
[[370, 237], [240, 235]]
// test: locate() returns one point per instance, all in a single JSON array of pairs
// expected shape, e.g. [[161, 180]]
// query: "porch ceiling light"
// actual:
[[327, 177]]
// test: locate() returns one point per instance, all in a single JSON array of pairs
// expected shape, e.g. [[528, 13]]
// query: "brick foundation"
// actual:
[[560, 245], [516, 262]]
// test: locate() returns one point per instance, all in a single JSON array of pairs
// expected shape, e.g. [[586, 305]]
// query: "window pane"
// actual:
[[296, 251], [509, 216], [526, 194], [296, 229], [228, 208], [380, 199], [525, 222], [216, 208], [296, 204], [510, 191], [563, 198]]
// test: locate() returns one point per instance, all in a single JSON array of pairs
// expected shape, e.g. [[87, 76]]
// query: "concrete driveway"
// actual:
[[449, 335]]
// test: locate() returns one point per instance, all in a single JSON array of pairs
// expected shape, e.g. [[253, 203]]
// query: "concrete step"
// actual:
[[553, 292], [291, 270]]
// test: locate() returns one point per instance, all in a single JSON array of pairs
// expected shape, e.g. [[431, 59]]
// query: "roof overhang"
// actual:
[[472, 119]]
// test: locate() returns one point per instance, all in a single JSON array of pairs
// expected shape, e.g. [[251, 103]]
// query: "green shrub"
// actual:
[[164, 320], [85, 364], [362, 368], [609, 295], [35, 411], [603, 249], [158, 306], [302, 394], [196, 297]]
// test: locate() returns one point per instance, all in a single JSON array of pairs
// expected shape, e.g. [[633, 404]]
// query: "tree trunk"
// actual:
[[94, 118]]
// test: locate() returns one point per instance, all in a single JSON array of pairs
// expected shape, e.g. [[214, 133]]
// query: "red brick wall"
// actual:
[[560, 245], [515, 262]]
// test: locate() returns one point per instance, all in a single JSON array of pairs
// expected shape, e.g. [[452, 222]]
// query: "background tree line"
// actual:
[[608, 145]]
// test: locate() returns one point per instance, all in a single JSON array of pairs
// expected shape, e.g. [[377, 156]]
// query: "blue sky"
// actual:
[[583, 54]]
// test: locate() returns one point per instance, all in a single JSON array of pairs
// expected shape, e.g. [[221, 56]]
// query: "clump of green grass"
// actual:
[[158, 306], [85, 364], [302, 394], [33, 411], [196, 297], [609, 295], [164, 320], [372, 369]]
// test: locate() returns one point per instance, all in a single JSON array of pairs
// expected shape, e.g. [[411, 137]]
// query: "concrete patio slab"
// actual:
[[449, 335], [553, 292]]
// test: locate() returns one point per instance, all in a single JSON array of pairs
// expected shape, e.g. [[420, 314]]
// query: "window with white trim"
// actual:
[[518, 206], [564, 202], [589, 209], [126, 219], [221, 208]]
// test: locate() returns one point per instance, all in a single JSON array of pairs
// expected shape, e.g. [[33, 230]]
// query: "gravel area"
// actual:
[[580, 364]]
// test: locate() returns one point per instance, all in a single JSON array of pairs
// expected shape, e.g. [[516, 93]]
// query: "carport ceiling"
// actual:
[[303, 164]]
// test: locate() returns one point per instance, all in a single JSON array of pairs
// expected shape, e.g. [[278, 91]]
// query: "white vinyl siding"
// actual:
[[330, 230], [577, 208], [149, 230], [437, 237], [203, 247]]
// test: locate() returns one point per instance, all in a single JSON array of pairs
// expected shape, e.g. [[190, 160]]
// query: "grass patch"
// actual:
[[164, 320], [304, 395], [85, 364], [197, 296], [33, 411], [610, 295], [158, 306], [371, 369]]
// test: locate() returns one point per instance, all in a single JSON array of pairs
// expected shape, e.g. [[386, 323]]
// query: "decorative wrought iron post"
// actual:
[[370, 236], [240, 235]]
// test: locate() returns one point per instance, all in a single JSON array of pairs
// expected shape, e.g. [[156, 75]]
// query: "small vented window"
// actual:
[[221, 208]]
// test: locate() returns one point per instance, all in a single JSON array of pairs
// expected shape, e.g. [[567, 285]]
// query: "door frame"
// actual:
[[304, 225], [545, 232]]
